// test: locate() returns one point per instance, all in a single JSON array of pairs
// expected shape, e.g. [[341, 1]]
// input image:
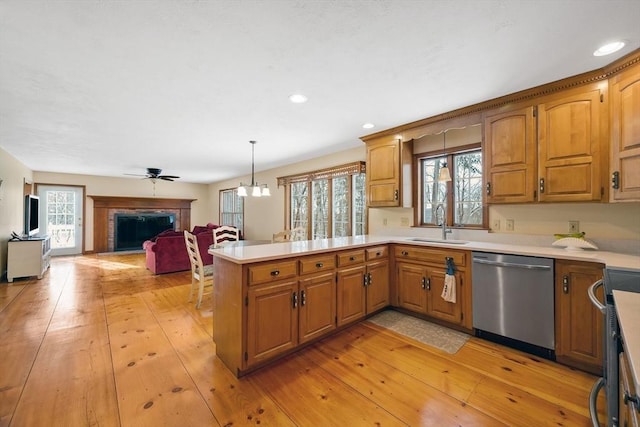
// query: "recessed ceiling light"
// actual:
[[298, 98], [368, 125], [609, 48]]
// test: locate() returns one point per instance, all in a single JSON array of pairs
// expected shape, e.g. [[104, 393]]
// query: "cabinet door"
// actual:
[[351, 294], [317, 301], [383, 173], [569, 146], [578, 323], [436, 305], [272, 320], [411, 284], [377, 285], [625, 135], [510, 157]]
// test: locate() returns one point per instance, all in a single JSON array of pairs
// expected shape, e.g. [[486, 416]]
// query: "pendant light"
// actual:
[[257, 190], [444, 176]]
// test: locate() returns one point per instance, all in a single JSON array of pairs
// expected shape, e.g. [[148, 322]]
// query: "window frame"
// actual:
[[221, 207], [448, 154], [349, 169]]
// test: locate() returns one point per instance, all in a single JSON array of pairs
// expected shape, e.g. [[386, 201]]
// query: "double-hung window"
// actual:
[[232, 209], [459, 201], [328, 202]]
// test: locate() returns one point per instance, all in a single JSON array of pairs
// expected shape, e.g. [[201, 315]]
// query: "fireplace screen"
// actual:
[[131, 230]]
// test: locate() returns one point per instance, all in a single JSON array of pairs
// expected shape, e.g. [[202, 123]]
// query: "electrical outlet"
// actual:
[[574, 226], [495, 224], [384, 221], [510, 225]]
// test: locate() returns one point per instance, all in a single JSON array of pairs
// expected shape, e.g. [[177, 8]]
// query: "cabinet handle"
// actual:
[[628, 398], [615, 180], [368, 279], [294, 299], [428, 283], [303, 298], [405, 253], [565, 284], [424, 283], [275, 273], [396, 195], [319, 265], [365, 280], [488, 188], [541, 185]]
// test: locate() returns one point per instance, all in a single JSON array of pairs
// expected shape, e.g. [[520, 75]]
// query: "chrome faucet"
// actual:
[[445, 230]]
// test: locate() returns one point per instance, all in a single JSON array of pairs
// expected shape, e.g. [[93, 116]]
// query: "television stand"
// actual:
[[28, 257]]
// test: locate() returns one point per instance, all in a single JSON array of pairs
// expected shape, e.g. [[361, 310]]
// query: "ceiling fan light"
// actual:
[[256, 192], [242, 191]]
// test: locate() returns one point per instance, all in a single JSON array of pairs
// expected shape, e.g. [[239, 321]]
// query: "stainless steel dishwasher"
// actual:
[[513, 301]]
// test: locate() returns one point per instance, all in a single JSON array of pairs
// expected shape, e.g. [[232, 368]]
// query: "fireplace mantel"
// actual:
[[105, 206]]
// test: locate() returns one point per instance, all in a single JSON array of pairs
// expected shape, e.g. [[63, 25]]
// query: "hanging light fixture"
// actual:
[[444, 176], [257, 190]]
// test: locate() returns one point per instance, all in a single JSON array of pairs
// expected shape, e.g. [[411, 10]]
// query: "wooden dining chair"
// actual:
[[224, 234], [200, 274]]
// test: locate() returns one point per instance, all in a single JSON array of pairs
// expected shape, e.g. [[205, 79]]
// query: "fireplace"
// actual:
[[105, 208], [131, 230]]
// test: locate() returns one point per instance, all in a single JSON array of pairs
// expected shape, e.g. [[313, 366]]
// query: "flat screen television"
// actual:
[[31, 215]]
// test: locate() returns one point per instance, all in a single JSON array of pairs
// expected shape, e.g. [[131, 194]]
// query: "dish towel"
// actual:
[[449, 288]]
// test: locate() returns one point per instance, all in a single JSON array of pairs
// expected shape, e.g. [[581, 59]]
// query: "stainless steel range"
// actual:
[[614, 279]]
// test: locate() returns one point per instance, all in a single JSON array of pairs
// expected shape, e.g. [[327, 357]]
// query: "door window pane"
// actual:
[[340, 195], [320, 211], [61, 218], [299, 205], [359, 205]]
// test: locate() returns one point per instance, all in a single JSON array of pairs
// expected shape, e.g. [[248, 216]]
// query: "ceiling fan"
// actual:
[[155, 173]]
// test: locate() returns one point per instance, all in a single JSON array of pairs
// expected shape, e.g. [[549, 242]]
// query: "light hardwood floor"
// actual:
[[101, 341]]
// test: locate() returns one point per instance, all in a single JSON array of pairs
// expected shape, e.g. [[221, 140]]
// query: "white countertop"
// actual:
[[628, 310], [250, 254]]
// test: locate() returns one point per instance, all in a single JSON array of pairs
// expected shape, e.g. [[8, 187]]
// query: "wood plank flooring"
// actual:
[[100, 341]]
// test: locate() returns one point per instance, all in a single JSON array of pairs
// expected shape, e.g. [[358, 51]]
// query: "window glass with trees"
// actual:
[[461, 198], [231, 209], [327, 203]]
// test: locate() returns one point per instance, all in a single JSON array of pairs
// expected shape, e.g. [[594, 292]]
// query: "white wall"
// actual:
[[265, 215], [13, 175], [201, 213]]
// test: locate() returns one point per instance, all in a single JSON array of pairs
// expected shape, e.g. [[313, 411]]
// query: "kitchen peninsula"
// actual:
[[270, 300]]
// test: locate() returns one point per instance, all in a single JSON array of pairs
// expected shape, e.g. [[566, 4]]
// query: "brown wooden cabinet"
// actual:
[[572, 139], [578, 323], [388, 172], [625, 135], [362, 283], [510, 156], [420, 274], [317, 306]]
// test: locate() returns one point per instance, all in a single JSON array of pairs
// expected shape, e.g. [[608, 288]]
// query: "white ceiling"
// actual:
[[112, 87]]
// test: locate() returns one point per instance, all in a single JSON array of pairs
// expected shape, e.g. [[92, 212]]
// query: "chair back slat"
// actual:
[[224, 234]]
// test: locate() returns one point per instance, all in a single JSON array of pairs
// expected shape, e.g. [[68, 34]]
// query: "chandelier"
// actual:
[[257, 190]]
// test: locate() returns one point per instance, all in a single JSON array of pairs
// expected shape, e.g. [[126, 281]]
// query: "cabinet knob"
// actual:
[[396, 195], [319, 265], [352, 258], [565, 284], [541, 185], [488, 188], [405, 253], [275, 273]]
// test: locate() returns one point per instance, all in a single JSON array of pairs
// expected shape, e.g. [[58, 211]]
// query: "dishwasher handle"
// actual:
[[511, 264], [592, 296]]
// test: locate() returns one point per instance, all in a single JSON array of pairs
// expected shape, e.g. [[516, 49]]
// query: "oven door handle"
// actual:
[[593, 401], [594, 299]]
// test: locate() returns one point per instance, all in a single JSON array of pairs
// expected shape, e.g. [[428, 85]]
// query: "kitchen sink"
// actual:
[[429, 240]]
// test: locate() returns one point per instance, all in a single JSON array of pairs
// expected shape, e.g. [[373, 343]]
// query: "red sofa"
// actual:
[[167, 252]]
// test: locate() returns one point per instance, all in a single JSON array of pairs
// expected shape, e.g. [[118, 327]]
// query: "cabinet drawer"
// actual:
[[434, 256], [377, 252], [316, 264], [350, 258], [265, 273]]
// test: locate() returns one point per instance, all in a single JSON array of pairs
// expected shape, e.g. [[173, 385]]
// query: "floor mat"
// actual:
[[420, 330]]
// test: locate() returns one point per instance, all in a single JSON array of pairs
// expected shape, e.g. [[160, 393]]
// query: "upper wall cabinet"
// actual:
[[572, 138], [625, 135], [510, 156], [388, 172]]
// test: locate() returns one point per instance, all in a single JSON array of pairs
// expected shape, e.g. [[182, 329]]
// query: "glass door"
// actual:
[[61, 217]]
